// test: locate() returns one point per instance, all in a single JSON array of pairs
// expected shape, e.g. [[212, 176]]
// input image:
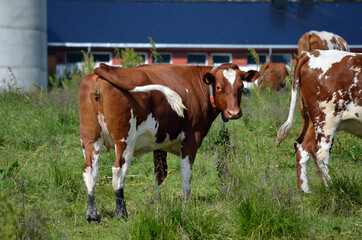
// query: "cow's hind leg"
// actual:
[[323, 154], [91, 151], [304, 147], [160, 164], [124, 155]]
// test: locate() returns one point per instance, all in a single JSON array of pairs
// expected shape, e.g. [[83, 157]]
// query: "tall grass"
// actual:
[[242, 187]]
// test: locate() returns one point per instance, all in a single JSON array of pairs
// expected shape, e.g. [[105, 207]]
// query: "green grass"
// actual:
[[242, 187]]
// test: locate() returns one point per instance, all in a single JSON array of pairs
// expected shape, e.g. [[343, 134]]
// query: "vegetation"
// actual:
[[242, 187], [129, 57]]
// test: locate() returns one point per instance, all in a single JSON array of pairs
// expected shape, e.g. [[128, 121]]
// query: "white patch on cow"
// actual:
[[326, 59], [303, 170], [328, 37], [143, 137], [186, 174], [187, 90], [173, 98], [346, 46], [90, 173], [230, 75], [140, 140], [108, 141], [352, 120]]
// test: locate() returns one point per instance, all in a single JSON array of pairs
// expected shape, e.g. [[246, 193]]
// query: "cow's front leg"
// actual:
[[91, 151], [160, 164], [124, 155]]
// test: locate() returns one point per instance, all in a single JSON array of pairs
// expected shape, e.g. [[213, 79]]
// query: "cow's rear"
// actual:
[[331, 100]]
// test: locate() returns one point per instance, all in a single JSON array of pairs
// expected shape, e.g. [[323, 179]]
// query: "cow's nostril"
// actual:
[[234, 113]]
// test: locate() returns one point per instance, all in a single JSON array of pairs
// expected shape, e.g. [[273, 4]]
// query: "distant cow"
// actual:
[[323, 40], [331, 100], [159, 108], [273, 75]]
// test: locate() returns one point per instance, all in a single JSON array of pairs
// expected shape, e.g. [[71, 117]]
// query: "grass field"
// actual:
[[242, 186]]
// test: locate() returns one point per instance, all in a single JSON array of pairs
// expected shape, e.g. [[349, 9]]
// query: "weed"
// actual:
[[341, 197]]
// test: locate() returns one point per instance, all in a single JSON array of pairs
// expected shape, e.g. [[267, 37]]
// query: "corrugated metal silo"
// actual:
[[23, 43]]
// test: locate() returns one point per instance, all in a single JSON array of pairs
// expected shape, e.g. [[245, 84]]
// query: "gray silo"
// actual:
[[23, 43]]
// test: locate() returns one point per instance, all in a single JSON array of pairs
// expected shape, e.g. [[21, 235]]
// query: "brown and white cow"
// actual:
[[323, 40], [273, 75], [331, 100], [159, 108]]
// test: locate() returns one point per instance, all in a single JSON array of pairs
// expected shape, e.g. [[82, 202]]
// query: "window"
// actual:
[[281, 58], [262, 59], [73, 57], [77, 57], [219, 58], [166, 58], [144, 56], [101, 57], [196, 58]]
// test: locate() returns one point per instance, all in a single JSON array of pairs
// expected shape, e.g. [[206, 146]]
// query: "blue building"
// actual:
[[193, 32]]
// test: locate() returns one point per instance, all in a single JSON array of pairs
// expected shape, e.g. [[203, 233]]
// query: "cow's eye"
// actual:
[[218, 89]]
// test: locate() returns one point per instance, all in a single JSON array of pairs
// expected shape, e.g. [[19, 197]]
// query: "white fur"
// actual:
[[173, 98], [142, 139], [327, 36], [303, 171], [90, 173], [108, 141], [284, 129], [326, 59], [230, 75], [186, 174]]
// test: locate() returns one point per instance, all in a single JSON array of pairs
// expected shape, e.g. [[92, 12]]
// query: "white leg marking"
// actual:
[[90, 173], [323, 163], [186, 174], [303, 162], [119, 174]]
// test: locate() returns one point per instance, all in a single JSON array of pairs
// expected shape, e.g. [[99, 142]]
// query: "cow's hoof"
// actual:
[[121, 214], [92, 216]]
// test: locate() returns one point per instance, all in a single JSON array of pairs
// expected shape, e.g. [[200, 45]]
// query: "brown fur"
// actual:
[[115, 103], [310, 41], [273, 75]]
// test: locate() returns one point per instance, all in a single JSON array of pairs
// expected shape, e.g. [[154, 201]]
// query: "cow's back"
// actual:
[[321, 40], [113, 109]]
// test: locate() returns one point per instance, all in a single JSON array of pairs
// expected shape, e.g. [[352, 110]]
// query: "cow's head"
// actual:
[[227, 86]]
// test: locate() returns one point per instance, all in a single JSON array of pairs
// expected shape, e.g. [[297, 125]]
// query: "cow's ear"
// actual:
[[250, 76], [208, 78]]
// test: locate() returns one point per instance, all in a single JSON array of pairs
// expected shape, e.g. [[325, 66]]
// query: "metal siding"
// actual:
[[198, 22]]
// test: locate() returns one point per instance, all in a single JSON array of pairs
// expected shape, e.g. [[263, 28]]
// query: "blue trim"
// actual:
[[231, 23]]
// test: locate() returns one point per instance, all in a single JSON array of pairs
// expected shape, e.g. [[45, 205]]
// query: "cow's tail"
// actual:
[[284, 129], [108, 73]]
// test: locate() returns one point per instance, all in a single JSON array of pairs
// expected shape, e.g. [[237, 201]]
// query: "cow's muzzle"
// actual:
[[233, 114]]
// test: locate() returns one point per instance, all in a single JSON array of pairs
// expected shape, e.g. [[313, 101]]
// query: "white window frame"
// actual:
[[197, 53], [109, 53], [222, 54]]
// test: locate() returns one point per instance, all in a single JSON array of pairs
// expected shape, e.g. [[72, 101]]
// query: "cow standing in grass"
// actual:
[[273, 75], [159, 108], [330, 89]]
